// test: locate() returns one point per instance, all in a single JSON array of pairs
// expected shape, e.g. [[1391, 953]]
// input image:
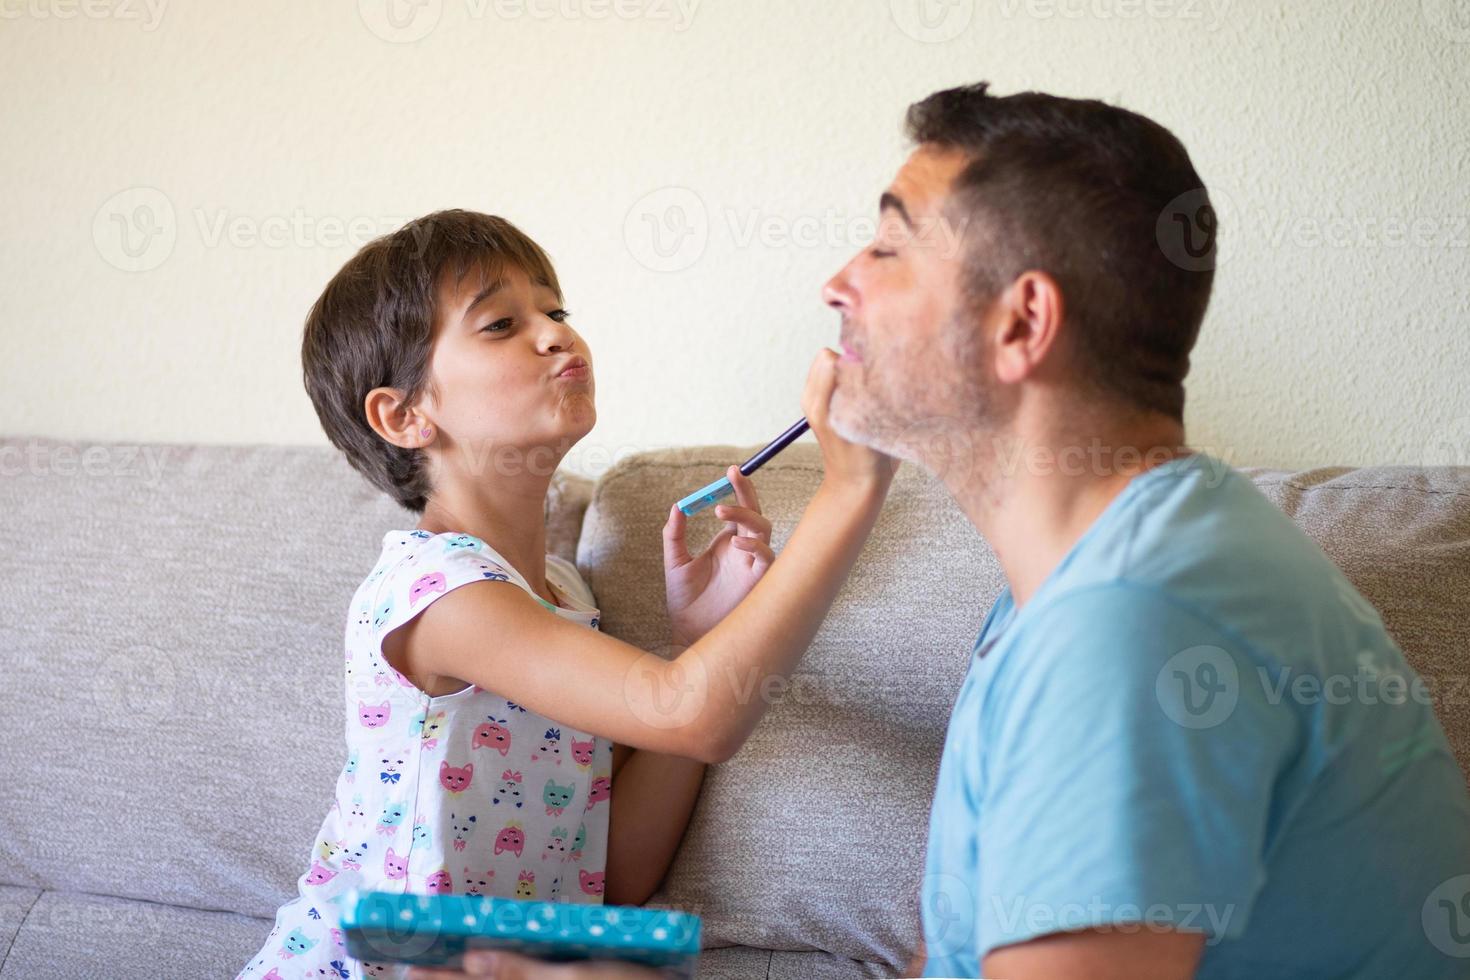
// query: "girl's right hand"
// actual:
[[848, 464]]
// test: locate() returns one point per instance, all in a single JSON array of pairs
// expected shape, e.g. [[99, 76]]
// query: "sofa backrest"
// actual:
[[813, 836]]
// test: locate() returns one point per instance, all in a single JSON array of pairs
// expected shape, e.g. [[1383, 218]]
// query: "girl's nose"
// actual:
[[555, 336]]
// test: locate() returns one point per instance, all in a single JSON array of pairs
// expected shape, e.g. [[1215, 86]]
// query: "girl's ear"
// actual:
[[395, 421]]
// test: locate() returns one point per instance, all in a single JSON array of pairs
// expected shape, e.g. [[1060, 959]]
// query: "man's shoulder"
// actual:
[[1202, 545]]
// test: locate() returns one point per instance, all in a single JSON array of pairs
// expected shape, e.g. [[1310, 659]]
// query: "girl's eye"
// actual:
[[499, 325], [880, 253], [559, 316]]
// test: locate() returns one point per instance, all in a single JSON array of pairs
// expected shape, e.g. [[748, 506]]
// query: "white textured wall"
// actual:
[[263, 139]]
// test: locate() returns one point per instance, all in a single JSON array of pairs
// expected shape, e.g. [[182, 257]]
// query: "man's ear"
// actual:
[[396, 422], [1030, 315]]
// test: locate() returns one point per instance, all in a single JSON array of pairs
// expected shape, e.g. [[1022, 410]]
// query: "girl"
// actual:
[[488, 727]]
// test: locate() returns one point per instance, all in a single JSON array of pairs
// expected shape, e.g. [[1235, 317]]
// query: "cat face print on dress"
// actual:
[[601, 789], [353, 858], [373, 715], [590, 883], [477, 884], [431, 728], [509, 790], [550, 746], [296, 943], [493, 734], [319, 874], [394, 865], [389, 765], [423, 585], [439, 883], [578, 842], [526, 884], [511, 838], [582, 753], [390, 818], [556, 845], [456, 779], [463, 827], [462, 542], [383, 613], [556, 796], [493, 574]]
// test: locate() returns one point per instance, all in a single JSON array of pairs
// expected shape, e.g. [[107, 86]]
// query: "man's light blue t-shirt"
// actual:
[[1197, 720]]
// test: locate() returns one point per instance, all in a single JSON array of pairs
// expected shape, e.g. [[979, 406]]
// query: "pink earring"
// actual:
[[425, 432]]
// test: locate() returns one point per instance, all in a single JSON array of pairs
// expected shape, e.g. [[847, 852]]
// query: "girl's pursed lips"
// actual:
[[575, 368]]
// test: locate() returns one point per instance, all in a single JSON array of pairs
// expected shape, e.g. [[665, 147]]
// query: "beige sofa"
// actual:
[[170, 627]]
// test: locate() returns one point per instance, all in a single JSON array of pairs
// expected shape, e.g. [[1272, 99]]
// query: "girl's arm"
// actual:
[[653, 798], [698, 705]]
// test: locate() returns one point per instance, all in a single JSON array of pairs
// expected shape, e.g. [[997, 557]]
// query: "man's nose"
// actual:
[[838, 293]]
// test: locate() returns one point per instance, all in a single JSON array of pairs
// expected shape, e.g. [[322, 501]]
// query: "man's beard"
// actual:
[[930, 414]]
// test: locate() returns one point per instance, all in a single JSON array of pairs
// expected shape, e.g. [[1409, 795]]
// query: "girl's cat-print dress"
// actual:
[[466, 793]]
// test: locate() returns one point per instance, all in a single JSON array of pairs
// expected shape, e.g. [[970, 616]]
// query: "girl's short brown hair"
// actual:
[[373, 327]]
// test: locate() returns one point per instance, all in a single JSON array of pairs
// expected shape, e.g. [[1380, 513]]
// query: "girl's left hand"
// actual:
[[702, 591]]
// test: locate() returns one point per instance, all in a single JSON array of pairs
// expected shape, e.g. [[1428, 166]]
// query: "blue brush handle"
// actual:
[[706, 497]]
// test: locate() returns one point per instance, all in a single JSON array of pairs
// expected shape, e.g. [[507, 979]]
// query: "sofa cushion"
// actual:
[[174, 616], [813, 836], [68, 935], [1402, 536], [15, 904]]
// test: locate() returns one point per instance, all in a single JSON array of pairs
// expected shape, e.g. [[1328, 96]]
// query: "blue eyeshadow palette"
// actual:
[[437, 930]]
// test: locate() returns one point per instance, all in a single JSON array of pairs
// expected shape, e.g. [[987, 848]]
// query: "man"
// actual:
[[1130, 785], [1133, 784]]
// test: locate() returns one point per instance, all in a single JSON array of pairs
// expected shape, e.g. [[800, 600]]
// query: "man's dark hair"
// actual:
[[1081, 190], [373, 327]]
